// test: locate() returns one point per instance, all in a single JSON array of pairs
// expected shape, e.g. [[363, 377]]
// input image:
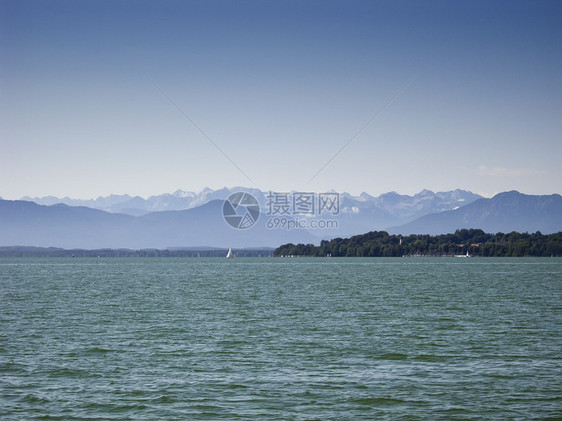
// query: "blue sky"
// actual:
[[279, 87]]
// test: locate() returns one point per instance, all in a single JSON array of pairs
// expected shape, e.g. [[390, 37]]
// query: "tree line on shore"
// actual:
[[472, 241]]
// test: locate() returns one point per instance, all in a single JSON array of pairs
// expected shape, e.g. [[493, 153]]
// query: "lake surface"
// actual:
[[272, 338]]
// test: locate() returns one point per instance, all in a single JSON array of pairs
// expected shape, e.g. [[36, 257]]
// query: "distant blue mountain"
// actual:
[[24, 223], [137, 206], [358, 214], [29, 224], [505, 212], [367, 213]]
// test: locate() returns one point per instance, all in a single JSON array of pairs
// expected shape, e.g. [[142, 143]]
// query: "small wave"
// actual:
[[98, 350], [162, 399], [378, 401], [391, 356], [67, 372], [431, 358], [31, 398]]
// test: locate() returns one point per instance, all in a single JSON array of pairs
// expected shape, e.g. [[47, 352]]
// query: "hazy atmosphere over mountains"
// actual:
[[186, 219], [394, 204]]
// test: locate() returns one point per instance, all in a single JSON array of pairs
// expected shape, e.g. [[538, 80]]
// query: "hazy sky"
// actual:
[[279, 87]]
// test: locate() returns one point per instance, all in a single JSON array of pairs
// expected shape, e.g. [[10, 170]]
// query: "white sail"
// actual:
[[229, 255]]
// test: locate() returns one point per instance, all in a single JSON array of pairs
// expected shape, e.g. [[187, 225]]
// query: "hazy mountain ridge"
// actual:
[[136, 205], [357, 214], [505, 212], [392, 204], [24, 223], [394, 209]]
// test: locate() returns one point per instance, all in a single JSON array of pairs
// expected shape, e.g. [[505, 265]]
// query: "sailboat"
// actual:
[[229, 255]]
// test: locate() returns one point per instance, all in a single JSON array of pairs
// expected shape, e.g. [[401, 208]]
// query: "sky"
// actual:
[[142, 97]]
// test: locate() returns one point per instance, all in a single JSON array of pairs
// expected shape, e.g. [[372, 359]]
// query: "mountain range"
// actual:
[[187, 219], [386, 209], [505, 212], [25, 223]]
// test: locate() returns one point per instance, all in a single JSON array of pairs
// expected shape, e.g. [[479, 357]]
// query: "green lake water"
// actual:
[[273, 338]]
